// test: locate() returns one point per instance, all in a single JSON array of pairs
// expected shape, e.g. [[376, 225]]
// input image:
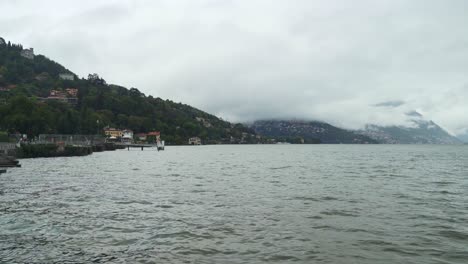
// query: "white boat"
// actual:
[[160, 145]]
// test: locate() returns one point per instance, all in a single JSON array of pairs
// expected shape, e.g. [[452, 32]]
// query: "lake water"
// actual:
[[240, 204]]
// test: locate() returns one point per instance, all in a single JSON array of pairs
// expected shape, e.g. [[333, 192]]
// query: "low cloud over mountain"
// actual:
[[249, 60]]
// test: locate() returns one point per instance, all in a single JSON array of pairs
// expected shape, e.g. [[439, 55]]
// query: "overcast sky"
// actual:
[[243, 60]]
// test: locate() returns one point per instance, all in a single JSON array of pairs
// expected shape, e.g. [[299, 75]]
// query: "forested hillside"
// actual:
[[29, 104]]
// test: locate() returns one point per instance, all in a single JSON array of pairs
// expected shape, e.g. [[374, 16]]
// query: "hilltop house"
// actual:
[[194, 141], [203, 121], [8, 88], [61, 96], [28, 53], [57, 95], [67, 76], [42, 76], [73, 92]]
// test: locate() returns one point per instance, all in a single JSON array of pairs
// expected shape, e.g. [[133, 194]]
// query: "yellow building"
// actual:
[[113, 132]]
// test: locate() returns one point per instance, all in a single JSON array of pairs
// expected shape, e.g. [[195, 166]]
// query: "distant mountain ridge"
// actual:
[[421, 131], [310, 132]]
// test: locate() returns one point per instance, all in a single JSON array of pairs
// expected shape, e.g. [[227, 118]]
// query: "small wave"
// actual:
[[375, 242], [314, 217], [316, 199], [339, 213], [198, 191], [120, 229], [225, 230], [355, 230], [443, 182], [281, 258], [325, 227], [124, 242], [443, 192], [280, 168], [102, 258], [205, 252], [249, 252], [133, 202], [183, 234], [400, 251], [454, 234], [165, 206], [395, 175]]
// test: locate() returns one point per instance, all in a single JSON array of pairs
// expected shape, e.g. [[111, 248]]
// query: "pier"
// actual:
[[8, 161], [142, 146], [7, 148], [159, 145], [6, 156]]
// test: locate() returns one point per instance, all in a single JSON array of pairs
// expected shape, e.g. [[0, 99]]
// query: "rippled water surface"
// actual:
[[240, 204]]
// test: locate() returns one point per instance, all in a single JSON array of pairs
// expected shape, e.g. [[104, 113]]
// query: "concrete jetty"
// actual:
[[7, 161]]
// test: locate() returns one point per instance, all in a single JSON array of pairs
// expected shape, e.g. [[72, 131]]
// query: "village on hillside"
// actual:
[[41, 101], [127, 136]]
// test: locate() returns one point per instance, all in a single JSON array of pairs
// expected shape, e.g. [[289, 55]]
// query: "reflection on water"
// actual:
[[240, 204]]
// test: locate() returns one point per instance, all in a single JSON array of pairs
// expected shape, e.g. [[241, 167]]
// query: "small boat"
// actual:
[[2, 171]]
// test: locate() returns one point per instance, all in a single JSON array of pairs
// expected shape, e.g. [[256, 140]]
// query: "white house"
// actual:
[[194, 141], [28, 53], [67, 76], [127, 136]]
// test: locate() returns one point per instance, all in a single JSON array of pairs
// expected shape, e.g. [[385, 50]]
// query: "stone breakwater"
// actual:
[[8, 161], [54, 150]]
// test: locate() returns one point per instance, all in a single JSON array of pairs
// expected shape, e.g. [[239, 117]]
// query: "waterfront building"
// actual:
[[113, 132], [127, 136], [141, 136], [153, 137], [194, 141]]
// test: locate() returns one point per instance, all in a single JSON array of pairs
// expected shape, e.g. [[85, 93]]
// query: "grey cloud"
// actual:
[[396, 103], [245, 60]]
